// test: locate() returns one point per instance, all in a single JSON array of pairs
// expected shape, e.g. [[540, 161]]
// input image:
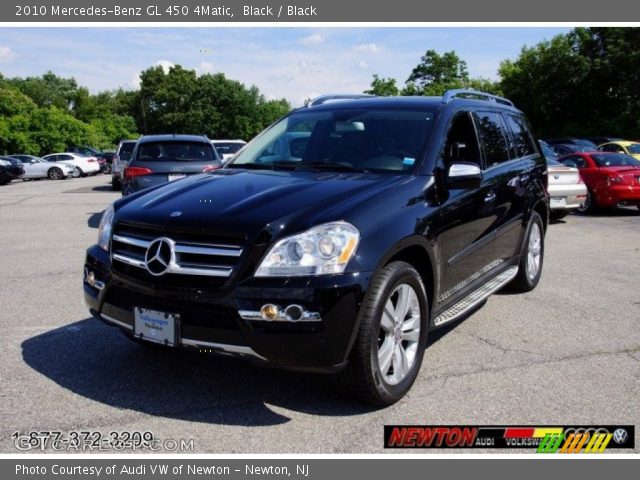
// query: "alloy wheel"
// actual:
[[399, 334], [534, 251]]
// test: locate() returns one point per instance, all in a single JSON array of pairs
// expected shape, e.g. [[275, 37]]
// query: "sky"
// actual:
[[292, 63]]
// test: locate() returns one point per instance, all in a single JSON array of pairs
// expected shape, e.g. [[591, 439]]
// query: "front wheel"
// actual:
[[55, 174], [531, 256], [391, 340]]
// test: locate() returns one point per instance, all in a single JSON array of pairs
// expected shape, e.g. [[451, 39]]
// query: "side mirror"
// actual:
[[463, 175]]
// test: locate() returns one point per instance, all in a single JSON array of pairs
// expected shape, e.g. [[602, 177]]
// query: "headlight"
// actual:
[[321, 250], [104, 230]]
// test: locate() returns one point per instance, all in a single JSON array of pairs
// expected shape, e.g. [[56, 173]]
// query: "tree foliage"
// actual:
[[179, 101], [581, 83], [434, 75], [40, 115]]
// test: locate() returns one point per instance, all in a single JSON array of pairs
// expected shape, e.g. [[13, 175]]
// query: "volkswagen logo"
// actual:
[[620, 436], [159, 256], [556, 176]]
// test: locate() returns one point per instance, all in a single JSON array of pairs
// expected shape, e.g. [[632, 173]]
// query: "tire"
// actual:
[[531, 256], [558, 214], [590, 205], [116, 186], [364, 377], [55, 174], [77, 172]]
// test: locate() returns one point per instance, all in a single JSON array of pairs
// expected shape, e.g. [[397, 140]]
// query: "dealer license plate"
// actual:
[[154, 326]]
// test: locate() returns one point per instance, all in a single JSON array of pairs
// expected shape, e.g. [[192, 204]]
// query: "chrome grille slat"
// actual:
[[136, 242], [122, 251], [202, 250], [134, 262]]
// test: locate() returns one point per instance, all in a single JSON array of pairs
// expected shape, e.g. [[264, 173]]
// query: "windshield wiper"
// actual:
[[320, 165], [264, 166]]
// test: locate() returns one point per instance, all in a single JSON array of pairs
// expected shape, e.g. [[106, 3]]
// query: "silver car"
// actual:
[[566, 189], [36, 167]]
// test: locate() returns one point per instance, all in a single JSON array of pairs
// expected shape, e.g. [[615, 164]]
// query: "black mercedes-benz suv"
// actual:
[[335, 240]]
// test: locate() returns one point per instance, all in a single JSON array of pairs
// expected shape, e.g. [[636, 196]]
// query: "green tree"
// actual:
[[383, 87], [436, 73], [581, 83]]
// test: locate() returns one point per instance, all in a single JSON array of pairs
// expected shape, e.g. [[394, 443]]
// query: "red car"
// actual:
[[612, 178]]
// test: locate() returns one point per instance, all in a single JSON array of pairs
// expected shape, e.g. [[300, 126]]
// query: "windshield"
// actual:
[[225, 148], [634, 148], [341, 140], [173, 151], [615, 160]]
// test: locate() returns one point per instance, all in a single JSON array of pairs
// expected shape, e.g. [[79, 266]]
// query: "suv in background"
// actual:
[[158, 159], [335, 240], [120, 161], [228, 148]]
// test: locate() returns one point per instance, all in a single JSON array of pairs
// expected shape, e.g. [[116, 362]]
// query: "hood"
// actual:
[[251, 202]]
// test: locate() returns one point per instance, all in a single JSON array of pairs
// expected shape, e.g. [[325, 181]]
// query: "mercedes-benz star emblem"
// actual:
[[620, 436], [158, 256]]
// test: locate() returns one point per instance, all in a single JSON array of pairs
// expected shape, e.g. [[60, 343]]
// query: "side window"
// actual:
[[461, 144], [492, 137], [65, 157], [522, 141], [574, 161]]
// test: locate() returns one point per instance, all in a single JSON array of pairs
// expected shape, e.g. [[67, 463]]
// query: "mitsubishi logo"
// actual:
[[159, 256]]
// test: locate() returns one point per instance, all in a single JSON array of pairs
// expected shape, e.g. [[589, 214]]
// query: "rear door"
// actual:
[[515, 177]]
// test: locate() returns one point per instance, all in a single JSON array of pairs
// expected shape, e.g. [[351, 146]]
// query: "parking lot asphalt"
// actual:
[[566, 353]]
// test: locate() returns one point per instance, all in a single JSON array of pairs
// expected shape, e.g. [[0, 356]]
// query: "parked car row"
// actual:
[[585, 176]]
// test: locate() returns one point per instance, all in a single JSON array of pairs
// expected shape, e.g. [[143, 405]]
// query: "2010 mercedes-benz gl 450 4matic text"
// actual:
[[335, 241]]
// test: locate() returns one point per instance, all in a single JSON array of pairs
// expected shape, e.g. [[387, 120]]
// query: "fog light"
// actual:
[[294, 312], [269, 311]]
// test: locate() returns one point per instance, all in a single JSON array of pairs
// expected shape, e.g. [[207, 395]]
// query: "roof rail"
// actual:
[[451, 94], [336, 96]]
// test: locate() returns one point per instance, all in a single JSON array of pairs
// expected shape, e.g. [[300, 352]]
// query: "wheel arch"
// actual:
[[419, 253]]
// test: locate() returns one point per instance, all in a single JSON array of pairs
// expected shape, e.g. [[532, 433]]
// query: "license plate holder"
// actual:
[[155, 326]]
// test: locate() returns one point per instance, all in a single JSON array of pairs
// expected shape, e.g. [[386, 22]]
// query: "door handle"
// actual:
[[490, 197]]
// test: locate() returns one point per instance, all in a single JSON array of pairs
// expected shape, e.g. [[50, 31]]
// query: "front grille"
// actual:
[[190, 259], [191, 314]]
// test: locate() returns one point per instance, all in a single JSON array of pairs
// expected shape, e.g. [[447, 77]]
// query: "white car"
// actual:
[[227, 148], [36, 167], [82, 165]]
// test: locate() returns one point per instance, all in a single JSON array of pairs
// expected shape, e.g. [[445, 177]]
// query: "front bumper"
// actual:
[[216, 322]]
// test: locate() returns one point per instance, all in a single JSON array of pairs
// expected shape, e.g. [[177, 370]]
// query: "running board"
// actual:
[[475, 297]]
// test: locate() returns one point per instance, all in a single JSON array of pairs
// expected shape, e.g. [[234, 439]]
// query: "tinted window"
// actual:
[[615, 160], [225, 148], [574, 161], [492, 137], [611, 147], [64, 157], [522, 142], [634, 148], [175, 151]]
